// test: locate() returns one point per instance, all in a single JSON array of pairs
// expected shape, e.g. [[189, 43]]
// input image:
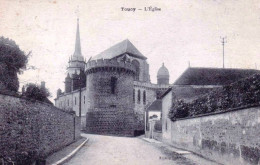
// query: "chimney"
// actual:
[[43, 85]]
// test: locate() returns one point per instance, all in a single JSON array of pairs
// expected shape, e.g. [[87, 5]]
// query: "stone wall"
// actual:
[[33, 129], [228, 138], [111, 121], [166, 122]]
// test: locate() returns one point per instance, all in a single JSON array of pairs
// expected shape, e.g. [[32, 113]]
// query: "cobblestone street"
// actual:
[[111, 150]]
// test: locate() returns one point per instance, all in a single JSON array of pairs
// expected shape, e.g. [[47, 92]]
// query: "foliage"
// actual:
[[35, 92], [241, 94], [12, 61], [179, 110]]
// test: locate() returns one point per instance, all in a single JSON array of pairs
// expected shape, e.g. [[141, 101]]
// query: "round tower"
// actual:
[[109, 91], [163, 75]]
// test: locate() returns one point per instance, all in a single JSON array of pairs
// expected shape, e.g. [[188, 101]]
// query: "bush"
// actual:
[[179, 110], [35, 92]]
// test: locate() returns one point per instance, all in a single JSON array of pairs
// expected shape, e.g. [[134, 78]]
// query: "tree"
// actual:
[[12, 62], [36, 92]]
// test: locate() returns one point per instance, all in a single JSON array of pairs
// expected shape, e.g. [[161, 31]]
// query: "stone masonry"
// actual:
[[228, 138], [33, 129], [110, 89]]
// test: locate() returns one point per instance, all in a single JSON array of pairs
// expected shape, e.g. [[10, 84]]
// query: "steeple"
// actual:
[[76, 61], [77, 51]]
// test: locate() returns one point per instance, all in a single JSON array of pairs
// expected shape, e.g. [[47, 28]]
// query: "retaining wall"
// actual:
[[228, 138], [33, 129]]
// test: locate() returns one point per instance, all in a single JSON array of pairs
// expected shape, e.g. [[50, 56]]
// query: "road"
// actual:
[[109, 150]]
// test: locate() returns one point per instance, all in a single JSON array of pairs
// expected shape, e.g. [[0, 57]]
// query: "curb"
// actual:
[[151, 140], [63, 160]]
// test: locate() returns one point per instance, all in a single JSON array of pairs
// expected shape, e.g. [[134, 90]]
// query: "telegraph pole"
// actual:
[[223, 41]]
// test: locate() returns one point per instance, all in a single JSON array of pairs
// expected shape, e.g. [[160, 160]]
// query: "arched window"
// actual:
[[137, 67], [144, 97], [139, 97], [134, 95]]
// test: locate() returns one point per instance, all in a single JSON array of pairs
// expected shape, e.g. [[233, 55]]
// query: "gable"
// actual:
[[119, 49]]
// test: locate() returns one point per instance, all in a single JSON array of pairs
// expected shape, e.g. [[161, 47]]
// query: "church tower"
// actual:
[[76, 61]]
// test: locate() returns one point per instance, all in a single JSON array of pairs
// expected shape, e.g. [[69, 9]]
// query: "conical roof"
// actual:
[[122, 47], [163, 72], [77, 56]]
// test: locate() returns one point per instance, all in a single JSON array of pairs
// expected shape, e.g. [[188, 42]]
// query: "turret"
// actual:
[[68, 84], [43, 85], [163, 75], [58, 92]]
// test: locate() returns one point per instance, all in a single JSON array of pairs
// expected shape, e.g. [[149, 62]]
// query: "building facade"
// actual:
[[111, 91], [193, 83]]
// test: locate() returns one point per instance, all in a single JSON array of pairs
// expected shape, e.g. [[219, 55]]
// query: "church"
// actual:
[[111, 90]]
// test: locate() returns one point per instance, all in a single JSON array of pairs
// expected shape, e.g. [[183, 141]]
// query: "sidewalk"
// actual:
[[194, 158], [65, 152]]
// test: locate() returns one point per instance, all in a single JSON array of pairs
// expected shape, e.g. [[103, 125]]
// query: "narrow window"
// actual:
[[75, 100], [134, 95], [137, 67], [144, 97], [84, 99], [139, 96], [68, 102], [113, 84]]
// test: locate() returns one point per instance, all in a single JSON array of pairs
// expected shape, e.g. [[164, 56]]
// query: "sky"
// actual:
[[183, 31]]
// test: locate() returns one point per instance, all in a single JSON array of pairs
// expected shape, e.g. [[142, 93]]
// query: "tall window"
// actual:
[[139, 97], [75, 100], [84, 99], [134, 95], [137, 67], [68, 102], [144, 97], [113, 84]]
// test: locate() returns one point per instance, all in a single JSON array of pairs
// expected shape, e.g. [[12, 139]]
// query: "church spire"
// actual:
[[77, 51]]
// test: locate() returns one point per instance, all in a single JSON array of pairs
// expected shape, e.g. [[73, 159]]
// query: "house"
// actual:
[[153, 114], [194, 82]]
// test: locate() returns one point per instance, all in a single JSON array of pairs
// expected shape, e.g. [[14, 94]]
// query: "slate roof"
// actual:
[[213, 76], [155, 106], [120, 48]]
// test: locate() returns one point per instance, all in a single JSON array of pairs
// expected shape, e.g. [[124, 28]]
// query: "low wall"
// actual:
[[33, 130], [229, 138]]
